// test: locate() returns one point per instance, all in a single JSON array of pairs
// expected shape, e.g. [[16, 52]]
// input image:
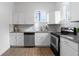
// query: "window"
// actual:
[[41, 16], [41, 19]]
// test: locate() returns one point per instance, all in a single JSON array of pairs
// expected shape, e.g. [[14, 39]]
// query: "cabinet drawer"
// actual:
[[73, 45]]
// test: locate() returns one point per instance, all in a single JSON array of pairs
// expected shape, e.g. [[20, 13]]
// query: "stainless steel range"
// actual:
[[55, 43], [55, 38]]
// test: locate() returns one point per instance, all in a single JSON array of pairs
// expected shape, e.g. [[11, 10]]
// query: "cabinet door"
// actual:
[[15, 18], [20, 39], [18, 18], [45, 39], [42, 39], [37, 39], [67, 50], [13, 37], [74, 11]]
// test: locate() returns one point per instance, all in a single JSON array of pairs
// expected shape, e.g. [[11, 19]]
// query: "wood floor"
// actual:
[[29, 52]]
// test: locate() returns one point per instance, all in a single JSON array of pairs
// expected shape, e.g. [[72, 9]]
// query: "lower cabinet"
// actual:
[[16, 39], [13, 37], [68, 48], [37, 39], [20, 39], [42, 39]]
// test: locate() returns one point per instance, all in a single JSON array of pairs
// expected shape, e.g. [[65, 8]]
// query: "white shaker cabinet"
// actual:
[[57, 12], [20, 39], [25, 12], [13, 37], [74, 11], [20, 18], [15, 18], [68, 48], [42, 39], [16, 39]]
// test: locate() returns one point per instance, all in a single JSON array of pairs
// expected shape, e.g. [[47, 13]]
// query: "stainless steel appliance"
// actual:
[[55, 43], [68, 30], [29, 40]]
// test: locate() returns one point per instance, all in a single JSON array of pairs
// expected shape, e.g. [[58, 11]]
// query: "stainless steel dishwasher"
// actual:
[[29, 39]]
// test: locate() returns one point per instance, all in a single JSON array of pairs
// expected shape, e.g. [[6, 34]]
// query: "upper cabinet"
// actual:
[[74, 11], [65, 11], [70, 11], [24, 12], [57, 12]]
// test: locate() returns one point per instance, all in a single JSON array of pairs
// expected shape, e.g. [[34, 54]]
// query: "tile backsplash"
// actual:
[[54, 27], [67, 23], [30, 27]]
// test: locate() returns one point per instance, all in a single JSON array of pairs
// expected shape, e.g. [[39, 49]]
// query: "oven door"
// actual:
[[54, 41]]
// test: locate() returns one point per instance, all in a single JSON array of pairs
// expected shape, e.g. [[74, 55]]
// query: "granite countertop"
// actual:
[[74, 38], [32, 32], [23, 32]]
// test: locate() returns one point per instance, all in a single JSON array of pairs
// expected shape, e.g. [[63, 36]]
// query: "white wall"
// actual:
[[5, 16], [24, 11]]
